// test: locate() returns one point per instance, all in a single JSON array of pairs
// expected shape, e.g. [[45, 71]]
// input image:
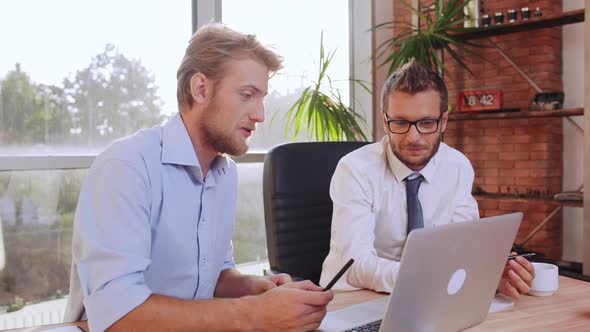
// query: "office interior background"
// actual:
[[76, 75]]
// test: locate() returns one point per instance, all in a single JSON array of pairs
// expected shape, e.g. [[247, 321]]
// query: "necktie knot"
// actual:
[[412, 185]]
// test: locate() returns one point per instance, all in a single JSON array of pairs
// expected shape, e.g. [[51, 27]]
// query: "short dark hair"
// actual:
[[414, 77]]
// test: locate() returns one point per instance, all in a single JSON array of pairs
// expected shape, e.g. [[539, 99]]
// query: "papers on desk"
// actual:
[[501, 302]]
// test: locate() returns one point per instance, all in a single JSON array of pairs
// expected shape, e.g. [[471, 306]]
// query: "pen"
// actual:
[[339, 274], [522, 255]]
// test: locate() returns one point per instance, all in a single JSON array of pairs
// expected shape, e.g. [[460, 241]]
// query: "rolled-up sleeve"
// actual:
[[112, 240], [229, 262]]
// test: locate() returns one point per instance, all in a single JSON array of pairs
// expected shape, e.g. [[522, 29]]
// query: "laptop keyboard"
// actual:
[[369, 327]]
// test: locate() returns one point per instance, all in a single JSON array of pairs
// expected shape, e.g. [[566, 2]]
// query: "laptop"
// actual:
[[447, 279]]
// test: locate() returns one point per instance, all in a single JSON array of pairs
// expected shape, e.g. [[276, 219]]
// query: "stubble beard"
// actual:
[[216, 137], [420, 163]]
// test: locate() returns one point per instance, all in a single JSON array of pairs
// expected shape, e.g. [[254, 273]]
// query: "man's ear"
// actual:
[[199, 88], [384, 121], [444, 120]]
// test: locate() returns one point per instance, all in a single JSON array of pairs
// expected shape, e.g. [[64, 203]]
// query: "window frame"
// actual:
[[205, 11]]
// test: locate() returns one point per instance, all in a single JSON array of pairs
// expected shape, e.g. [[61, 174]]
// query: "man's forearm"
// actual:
[[232, 283], [373, 272], [162, 313]]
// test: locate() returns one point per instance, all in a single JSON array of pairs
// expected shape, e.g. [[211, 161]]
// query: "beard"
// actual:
[[217, 137], [412, 163]]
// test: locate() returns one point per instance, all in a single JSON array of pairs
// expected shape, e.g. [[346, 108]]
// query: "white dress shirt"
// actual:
[[370, 216]]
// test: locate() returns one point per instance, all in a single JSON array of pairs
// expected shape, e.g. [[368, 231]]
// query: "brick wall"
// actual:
[[515, 168], [513, 157]]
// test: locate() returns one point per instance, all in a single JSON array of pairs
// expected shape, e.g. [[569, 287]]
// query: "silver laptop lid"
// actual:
[[448, 275]]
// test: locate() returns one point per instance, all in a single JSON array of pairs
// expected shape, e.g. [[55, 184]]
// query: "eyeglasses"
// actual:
[[425, 126]]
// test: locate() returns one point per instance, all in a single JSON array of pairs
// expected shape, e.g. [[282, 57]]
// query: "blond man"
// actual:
[[152, 235]]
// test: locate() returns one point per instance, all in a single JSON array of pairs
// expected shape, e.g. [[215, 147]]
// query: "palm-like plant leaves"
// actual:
[[423, 42], [325, 115]]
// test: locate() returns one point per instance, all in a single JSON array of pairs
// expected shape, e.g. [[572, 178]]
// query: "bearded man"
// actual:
[[152, 236], [408, 180]]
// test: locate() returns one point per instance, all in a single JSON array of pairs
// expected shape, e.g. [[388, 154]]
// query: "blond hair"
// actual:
[[209, 50]]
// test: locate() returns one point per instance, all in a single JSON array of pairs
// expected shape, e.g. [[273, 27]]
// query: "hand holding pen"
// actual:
[[530, 254], [517, 276], [339, 275]]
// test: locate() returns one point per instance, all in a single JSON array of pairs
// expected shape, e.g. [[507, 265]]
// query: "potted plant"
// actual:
[[320, 108], [425, 41]]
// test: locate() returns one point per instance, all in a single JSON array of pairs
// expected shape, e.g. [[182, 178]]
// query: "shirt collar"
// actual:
[[177, 149], [401, 171]]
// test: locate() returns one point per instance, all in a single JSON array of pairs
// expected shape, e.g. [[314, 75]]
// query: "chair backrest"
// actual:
[[297, 204]]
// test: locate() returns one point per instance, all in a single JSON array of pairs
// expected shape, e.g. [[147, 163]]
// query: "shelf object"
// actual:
[[462, 116], [534, 23], [546, 21], [576, 195]]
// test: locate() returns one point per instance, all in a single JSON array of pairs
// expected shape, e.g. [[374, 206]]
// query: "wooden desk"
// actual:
[[83, 325], [566, 310]]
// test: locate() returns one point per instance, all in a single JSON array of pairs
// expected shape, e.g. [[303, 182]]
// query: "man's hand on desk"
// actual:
[[517, 277], [259, 285], [295, 306], [231, 283]]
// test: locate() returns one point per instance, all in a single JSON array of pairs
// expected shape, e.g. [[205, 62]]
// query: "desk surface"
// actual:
[[567, 309]]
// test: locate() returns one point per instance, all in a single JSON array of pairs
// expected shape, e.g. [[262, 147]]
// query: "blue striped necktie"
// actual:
[[415, 217]]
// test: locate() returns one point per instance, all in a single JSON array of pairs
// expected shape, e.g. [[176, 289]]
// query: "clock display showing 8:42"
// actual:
[[481, 100]]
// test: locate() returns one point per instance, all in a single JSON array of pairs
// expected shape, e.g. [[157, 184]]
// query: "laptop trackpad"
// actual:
[[355, 315]]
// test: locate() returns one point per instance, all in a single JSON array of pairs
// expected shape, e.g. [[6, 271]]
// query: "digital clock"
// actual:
[[481, 100]]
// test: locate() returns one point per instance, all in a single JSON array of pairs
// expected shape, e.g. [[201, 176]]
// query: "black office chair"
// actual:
[[297, 205]]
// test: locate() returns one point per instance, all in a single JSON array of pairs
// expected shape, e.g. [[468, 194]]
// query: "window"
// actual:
[[74, 75], [36, 213]]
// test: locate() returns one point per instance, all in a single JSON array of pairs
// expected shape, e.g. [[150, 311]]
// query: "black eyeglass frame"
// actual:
[[413, 123]]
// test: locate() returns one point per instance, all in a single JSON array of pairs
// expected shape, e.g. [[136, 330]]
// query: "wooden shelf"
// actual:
[[547, 200], [462, 116], [534, 23]]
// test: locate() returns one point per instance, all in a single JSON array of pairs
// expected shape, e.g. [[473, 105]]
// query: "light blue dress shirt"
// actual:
[[148, 223]]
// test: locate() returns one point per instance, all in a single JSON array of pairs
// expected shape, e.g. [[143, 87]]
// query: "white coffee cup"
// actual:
[[546, 279]]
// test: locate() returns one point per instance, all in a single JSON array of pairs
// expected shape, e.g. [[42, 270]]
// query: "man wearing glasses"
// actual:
[[408, 180]]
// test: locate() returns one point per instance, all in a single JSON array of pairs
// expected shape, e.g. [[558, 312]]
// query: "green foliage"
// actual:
[[113, 97], [24, 106], [424, 43], [323, 113], [8, 282], [71, 182], [38, 264], [18, 94], [18, 304], [64, 221]]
